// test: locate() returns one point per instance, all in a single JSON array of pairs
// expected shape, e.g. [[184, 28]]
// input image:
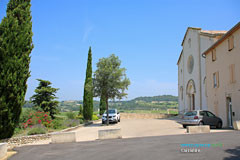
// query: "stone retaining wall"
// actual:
[[17, 141], [143, 115]]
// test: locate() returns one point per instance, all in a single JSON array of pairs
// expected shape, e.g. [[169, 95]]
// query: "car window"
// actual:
[[202, 113], [111, 111], [210, 114], [191, 113]]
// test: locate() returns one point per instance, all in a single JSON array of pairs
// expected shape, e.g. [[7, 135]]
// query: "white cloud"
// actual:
[[86, 33]]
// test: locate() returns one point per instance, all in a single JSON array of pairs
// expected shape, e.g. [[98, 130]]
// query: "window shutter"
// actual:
[[230, 43], [214, 55]]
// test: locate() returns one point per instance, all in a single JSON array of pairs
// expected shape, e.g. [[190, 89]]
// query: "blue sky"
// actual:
[[145, 34]]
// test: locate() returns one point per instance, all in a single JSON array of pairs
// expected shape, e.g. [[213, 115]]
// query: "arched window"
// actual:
[[181, 92], [189, 42], [190, 64]]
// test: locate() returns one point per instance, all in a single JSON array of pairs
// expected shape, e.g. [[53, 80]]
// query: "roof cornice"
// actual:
[[225, 36]]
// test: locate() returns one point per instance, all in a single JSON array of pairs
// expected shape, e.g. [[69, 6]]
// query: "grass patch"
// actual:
[[37, 130]]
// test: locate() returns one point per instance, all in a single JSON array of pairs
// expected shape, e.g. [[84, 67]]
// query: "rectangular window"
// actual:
[[230, 43], [232, 73], [214, 55], [216, 80]]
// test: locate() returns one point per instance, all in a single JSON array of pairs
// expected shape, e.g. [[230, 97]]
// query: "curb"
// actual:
[[3, 151]]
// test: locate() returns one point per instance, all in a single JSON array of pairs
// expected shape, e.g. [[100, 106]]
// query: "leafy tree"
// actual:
[[45, 98], [15, 49], [88, 90], [110, 80], [102, 104]]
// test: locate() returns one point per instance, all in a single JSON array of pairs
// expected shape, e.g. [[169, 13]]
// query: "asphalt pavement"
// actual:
[[212, 146]]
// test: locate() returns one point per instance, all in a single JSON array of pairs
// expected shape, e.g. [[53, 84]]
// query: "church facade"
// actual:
[[192, 93]]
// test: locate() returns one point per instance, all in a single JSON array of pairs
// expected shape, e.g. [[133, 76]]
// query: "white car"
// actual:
[[113, 115]]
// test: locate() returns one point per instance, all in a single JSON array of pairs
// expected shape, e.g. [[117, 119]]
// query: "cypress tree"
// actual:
[[15, 48], [80, 110], [88, 90]]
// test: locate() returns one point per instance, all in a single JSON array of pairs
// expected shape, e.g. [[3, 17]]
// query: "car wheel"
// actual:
[[219, 125], [184, 126], [200, 123], [119, 120]]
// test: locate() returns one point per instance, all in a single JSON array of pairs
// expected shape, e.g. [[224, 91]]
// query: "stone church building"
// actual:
[[191, 68]]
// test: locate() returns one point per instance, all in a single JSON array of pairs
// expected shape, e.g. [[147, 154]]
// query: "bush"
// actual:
[[81, 121], [79, 117], [38, 118], [71, 122], [38, 130], [18, 130], [95, 117], [26, 114], [57, 124], [70, 115]]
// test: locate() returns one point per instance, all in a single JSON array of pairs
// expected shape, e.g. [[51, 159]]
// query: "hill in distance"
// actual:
[[163, 102]]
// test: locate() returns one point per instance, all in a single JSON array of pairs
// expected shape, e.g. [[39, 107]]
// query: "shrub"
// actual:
[[71, 122], [95, 117], [38, 130], [70, 115], [18, 130], [26, 114], [79, 117], [57, 124], [81, 121], [38, 118]]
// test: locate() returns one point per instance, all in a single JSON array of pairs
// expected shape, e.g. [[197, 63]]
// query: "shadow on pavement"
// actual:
[[235, 153], [100, 125]]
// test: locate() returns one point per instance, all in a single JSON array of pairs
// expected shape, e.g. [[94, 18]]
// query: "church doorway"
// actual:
[[191, 91]]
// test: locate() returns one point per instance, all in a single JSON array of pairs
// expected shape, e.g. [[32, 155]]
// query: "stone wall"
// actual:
[[142, 115], [17, 141]]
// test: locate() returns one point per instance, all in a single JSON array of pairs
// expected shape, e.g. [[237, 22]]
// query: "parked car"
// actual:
[[201, 117], [113, 115]]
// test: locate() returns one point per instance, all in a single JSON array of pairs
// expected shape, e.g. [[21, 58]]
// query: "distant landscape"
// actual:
[[155, 104]]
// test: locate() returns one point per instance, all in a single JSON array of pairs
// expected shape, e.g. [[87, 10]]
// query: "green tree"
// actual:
[[88, 90], [110, 80], [80, 110], [15, 49], [102, 104], [45, 98]]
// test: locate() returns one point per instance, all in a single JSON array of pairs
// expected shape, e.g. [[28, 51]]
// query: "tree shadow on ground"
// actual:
[[235, 153], [173, 118], [100, 125]]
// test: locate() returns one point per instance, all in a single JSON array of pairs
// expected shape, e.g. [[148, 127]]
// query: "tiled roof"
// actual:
[[213, 32]]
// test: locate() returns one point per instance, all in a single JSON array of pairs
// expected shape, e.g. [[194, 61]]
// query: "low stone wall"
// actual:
[[143, 115], [236, 125], [3, 150], [17, 141], [198, 129], [109, 134], [63, 137]]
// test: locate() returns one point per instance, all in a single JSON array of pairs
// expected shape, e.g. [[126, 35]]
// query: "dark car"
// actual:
[[201, 117]]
